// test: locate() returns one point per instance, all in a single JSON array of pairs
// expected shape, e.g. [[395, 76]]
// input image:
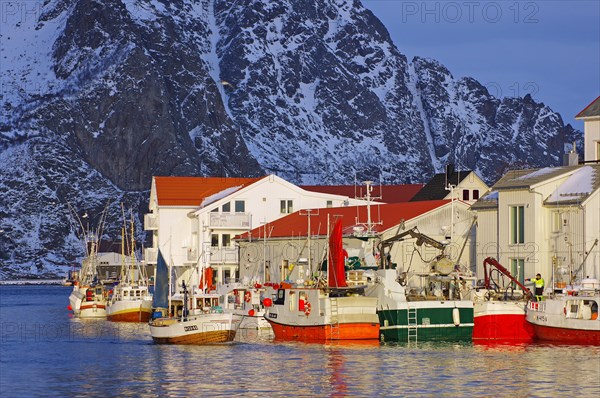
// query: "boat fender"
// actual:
[[307, 308], [247, 297], [456, 316]]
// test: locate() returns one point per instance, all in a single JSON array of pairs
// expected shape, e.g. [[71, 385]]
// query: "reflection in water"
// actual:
[[44, 353]]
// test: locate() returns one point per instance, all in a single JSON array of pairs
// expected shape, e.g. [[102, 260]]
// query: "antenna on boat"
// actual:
[[367, 229], [309, 213]]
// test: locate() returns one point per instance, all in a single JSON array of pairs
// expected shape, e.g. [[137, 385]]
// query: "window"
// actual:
[[292, 301], [517, 224], [286, 206], [517, 269], [226, 240], [465, 194], [329, 203], [597, 150], [240, 206], [475, 194], [556, 221], [216, 209], [214, 240], [226, 207]]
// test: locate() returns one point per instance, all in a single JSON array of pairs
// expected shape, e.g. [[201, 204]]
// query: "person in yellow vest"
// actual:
[[539, 286]]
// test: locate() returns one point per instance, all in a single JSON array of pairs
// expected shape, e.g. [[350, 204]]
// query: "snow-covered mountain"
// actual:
[[100, 96]]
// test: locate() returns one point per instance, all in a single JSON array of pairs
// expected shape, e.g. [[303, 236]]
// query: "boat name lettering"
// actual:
[[274, 316], [190, 328], [542, 318]]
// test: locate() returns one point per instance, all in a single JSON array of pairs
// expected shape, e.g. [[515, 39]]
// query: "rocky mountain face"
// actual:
[[100, 96]]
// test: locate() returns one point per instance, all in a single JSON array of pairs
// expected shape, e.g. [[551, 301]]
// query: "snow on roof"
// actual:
[[536, 173], [219, 195], [576, 187]]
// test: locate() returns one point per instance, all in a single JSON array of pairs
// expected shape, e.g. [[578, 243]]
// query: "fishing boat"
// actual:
[[130, 300], [499, 309], [433, 309], [311, 312], [191, 315], [569, 317], [246, 301], [89, 295]]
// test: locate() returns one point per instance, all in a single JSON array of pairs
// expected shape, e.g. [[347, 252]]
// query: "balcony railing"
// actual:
[[150, 222], [151, 255], [223, 255], [192, 255], [225, 220]]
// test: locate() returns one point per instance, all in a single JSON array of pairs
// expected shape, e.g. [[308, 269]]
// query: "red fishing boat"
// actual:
[[570, 317], [499, 309], [334, 312]]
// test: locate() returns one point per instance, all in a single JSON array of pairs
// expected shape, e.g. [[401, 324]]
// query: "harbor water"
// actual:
[[45, 352]]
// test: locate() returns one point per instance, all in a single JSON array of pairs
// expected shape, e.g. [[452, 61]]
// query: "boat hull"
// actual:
[[566, 320], [431, 321], [92, 309], [502, 321], [197, 330], [567, 336], [327, 332], [134, 312]]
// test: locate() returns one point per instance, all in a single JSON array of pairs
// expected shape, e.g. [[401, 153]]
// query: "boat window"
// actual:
[[125, 293], [280, 297], [292, 301]]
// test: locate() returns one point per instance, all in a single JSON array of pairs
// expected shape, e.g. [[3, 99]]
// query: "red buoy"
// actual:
[[69, 307], [276, 286], [257, 286], [251, 312], [267, 302]]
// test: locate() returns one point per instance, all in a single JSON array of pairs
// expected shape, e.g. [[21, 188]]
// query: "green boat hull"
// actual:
[[425, 324]]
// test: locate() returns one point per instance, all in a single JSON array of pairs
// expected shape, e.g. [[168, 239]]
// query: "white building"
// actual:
[[591, 118], [542, 221], [287, 252], [193, 219]]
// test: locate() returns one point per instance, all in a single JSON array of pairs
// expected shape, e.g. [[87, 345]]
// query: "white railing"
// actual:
[[223, 255], [150, 222], [192, 254], [225, 220]]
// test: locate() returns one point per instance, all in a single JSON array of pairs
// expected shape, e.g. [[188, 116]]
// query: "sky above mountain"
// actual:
[[549, 49]]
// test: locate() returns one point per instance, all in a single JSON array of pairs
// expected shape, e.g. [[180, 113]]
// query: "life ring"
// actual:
[[247, 297], [307, 308]]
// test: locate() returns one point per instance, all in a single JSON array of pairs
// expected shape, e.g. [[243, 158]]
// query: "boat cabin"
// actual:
[[581, 308]]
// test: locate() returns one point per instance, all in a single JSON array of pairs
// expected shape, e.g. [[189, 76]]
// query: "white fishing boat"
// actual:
[[569, 317], [190, 316], [130, 300], [88, 298], [246, 301], [333, 312]]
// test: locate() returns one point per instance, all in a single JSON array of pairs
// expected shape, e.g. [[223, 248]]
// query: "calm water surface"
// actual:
[[44, 352]]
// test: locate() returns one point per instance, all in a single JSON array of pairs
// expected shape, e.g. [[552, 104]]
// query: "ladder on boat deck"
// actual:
[[412, 324], [335, 320]]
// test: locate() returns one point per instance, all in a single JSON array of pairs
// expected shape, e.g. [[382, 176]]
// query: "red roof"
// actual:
[[191, 191], [389, 193], [296, 224]]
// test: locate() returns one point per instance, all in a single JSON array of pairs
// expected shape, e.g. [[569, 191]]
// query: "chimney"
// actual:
[[449, 171], [571, 158]]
